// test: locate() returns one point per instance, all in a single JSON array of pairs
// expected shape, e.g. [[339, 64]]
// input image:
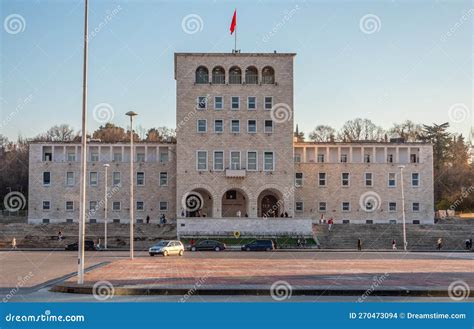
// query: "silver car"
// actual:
[[167, 247]]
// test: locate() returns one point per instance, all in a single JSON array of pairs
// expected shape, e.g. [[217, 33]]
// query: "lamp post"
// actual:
[[403, 209], [82, 218], [106, 166], [131, 114]]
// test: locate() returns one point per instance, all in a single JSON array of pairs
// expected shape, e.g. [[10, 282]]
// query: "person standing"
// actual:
[[439, 244], [330, 222], [14, 243], [239, 213], [394, 244], [148, 219], [359, 244], [60, 235]]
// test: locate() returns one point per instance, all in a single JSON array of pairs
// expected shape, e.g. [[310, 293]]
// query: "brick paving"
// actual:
[[350, 272]]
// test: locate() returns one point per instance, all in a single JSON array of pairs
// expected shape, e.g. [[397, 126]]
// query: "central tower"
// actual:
[[234, 129]]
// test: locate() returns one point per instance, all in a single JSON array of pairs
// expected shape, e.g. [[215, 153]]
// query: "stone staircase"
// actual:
[[380, 236], [46, 235]]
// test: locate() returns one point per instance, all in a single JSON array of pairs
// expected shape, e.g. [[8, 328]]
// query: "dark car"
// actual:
[[208, 245], [88, 245], [259, 245]]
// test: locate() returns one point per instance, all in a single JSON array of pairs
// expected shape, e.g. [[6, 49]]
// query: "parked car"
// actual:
[[167, 247], [259, 245], [88, 245], [208, 245]]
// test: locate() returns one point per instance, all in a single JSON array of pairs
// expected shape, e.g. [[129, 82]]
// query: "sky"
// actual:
[[388, 61]]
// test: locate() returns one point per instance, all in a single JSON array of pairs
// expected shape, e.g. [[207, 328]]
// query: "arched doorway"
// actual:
[[197, 203], [234, 203], [270, 203]]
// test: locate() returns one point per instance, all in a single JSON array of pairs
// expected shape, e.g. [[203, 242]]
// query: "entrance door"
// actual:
[[269, 206]]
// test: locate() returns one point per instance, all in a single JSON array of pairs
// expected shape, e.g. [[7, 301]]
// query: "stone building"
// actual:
[[235, 156]]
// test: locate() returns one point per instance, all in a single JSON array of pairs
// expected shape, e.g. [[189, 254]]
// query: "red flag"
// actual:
[[234, 22]]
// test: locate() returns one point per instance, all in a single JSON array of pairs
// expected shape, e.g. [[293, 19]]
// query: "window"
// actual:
[[268, 75], [298, 179], [201, 126], [218, 126], [163, 205], [46, 205], [343, 158], [251, 75], [202, 103], [202, 75], [116, 205], [140, 157], [69, 205], [235, 75], [94, 157], [252, 126], [218, 103], [392, 206], [268, 129], [140, 178], [71, 157], [46, 178], [413, 158], [390, 158], [392, 179], [235, 102], [322, 206], [415, 206], [368, 179], [251, 103], [218, 160], [116, 178], [322, 179], [163, 178], [93, 178], [70, 179], [346, 206], [367, 158], [415, 179], [269, 161], [140, 206], [117, 157], [297, 158], [251, 160], [218, 75], [345, 179], [201, 160], [93, 206], [299, 206], [164, 156], [235, 160], [320, 158], [268, 102], [235, 126]]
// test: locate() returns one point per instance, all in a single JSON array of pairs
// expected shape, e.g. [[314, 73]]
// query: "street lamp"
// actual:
[[403, 209], [106, 166], [131, 114]]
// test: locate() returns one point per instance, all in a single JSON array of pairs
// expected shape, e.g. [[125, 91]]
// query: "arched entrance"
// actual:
[[270, 203], [197, 203], [234, 203]]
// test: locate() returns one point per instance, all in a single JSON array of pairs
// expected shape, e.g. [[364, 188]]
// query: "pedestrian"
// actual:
[[466, 244], [148, 219], [164, 219], [182, 213], [394, 245], [304, 242], [14, 243], [239, 213], [286, 214], [470, 244], [192, 242], [439, 244], [330, 222], [359, 244], [60, 235], [298, 242]]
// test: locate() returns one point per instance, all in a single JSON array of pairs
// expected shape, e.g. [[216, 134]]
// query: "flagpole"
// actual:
[[235, 45]]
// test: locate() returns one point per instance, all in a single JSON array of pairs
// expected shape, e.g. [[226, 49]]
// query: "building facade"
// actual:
[[235, 156]]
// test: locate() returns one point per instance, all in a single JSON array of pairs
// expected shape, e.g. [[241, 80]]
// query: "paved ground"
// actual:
[[299, 269]]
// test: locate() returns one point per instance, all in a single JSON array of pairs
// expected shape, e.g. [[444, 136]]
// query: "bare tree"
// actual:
[[60, 133], [361, 130], [161, 134], [408, 130], [323, 133]]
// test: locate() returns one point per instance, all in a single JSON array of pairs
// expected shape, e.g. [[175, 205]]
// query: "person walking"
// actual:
[[148, 219], [330, 222], [439, 244], [14, 243], [359, 244], [394, 244]]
